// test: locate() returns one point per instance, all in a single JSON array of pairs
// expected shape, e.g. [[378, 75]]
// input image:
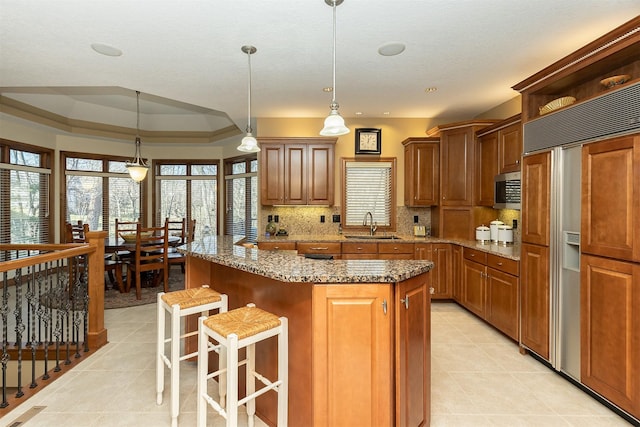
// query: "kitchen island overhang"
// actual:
[[351, 326]]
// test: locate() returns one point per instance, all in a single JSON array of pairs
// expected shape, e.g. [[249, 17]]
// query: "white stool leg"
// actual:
[[232, 380], [175, 364], [203, 368], [160, 350], [251, 383], [283, 372], [222, 378]]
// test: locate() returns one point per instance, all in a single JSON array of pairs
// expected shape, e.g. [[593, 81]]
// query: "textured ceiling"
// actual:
[[185, 57]]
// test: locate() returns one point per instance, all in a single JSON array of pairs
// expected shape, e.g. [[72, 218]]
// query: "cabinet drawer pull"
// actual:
[[500, 263], [319, 249], [276, 247], [472, 255]]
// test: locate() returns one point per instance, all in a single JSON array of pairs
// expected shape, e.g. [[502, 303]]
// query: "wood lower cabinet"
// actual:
[[319, 248], [474, 287], [413, 354], [441, 273], [388, 250], [456, 272], [421, 171], [490, 289], [359, 250], [277, 246], [352, 354], [611, 198], [534, 301], [610, 330]]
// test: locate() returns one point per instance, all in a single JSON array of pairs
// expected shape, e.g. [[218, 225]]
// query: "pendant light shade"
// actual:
[[249, 144], [334, 123], [138, 168]]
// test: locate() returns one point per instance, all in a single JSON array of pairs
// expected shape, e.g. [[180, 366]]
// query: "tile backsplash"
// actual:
[[306, 219]]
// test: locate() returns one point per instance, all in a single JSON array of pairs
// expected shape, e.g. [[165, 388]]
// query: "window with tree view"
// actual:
[[189, 190], [97, 191], [241, 203], [25, 193]]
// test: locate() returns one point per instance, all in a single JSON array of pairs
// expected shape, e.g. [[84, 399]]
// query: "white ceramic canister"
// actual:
[[494, 229], [505, 234], [483, 233]]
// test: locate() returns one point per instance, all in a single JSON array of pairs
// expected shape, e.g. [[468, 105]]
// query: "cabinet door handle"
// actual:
[[405, 301], [384, 306], [432, 290]]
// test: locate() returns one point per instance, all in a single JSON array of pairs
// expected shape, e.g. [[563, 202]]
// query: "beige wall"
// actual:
[[504, 110]]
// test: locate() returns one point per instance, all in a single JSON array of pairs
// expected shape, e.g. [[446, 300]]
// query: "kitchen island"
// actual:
[[359, 330]]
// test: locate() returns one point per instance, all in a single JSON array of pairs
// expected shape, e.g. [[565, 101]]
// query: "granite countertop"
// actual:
[[511, 251], [287, 266]]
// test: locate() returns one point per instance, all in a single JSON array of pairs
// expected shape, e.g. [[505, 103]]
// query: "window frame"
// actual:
[[105, 159], [46, 162], [393, 196], [156, 177], [228, 175]]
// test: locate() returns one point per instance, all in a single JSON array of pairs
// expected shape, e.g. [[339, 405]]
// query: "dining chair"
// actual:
[[74, 233], [185, 230], [149, 255]]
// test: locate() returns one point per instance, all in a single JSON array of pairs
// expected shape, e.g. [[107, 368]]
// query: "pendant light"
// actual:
[[334, 123], [138, 168], [249, 143]]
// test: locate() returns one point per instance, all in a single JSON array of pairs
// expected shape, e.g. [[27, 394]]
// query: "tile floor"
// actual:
[[478, 379]]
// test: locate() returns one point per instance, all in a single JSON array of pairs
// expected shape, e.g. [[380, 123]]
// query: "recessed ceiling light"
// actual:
[[431, 89], [386, 113], [358, 113], [106, 49], [391, 49], [327, 89]]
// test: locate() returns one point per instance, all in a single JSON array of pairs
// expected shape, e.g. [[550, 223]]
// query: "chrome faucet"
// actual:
[[373, 226]]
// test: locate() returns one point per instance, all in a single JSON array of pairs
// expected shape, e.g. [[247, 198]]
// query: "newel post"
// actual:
[[97, 336]]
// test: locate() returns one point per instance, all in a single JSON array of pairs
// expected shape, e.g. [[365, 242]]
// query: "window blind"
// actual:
[[368, 189]]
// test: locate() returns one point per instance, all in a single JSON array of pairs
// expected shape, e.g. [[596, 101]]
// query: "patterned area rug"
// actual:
[[114, 299]]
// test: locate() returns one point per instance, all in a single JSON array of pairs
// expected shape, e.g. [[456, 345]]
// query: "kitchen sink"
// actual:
[[369, 237]]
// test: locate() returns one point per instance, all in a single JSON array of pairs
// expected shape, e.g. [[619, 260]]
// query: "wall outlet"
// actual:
[[335, 218], [321, 218], [415, 219], [276, 218], [515, 224]]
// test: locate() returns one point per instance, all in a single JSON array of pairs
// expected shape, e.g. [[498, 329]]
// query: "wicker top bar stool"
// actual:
[[179, 304], [226, 333]]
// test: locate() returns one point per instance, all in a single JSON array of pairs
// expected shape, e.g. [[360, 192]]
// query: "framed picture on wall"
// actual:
[[368, 141]]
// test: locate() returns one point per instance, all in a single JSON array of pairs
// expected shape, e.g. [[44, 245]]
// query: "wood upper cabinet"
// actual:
[[456, 163], [534, 301], [421, 171], [510, 147], [610, 330], [413, 356], [297, 171], [499, 149], [353, 355], [486, 168], [536, 202], [320, 189], [611, 198]]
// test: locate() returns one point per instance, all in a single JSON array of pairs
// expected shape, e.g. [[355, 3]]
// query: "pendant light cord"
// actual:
[[249, 96], [334, 53]]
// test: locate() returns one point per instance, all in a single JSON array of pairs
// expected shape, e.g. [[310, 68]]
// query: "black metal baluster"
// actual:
[[4, 311]]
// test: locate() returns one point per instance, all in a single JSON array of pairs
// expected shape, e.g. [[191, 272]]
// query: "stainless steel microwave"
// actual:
[[507, 191]]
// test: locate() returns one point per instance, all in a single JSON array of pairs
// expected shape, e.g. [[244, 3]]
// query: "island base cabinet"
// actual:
[[610, 330], [352, 355], [413, 352]]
